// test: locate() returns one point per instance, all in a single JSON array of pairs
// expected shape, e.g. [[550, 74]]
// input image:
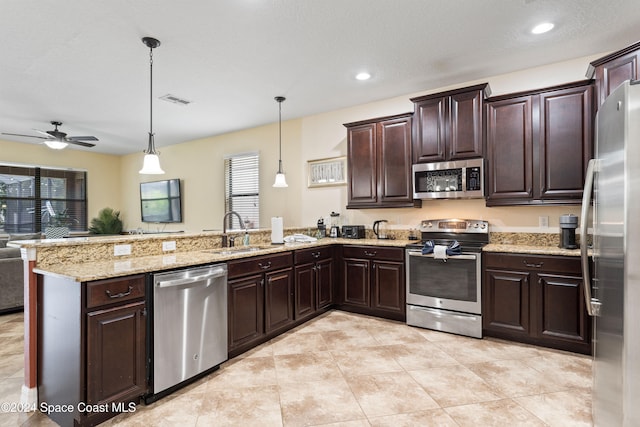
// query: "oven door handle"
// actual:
[[449, 257]]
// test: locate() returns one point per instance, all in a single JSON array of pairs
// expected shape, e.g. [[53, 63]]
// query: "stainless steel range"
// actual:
[[444, 276]]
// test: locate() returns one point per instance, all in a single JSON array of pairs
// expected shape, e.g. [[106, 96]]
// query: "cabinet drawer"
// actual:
[[259, 264], [303, 256], [114, 290], [373, 252], [546, 263]]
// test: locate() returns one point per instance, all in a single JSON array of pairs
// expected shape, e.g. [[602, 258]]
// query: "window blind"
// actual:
[[242, 194]]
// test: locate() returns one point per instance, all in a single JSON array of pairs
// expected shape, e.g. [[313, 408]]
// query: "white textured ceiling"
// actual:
[[82, 62]]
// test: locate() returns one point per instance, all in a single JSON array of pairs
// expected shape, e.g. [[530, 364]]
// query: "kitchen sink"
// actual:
[[234, 250]]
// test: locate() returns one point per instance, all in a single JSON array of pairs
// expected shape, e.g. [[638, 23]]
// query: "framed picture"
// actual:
[[325, 172]]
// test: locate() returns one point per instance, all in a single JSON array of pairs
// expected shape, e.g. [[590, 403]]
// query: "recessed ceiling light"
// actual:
[[542, 28], [363, 76]]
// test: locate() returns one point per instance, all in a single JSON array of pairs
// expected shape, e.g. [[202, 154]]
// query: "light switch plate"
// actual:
[[543, 221], [119, 250], [169, 246]]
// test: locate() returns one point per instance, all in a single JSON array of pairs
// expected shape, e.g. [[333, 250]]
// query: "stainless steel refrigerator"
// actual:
[[612, 291]]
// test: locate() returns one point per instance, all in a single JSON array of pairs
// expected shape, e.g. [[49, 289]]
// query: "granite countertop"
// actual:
[[531, 249], [95, 270]]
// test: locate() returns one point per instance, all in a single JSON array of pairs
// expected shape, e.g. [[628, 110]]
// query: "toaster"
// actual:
[[353, 231]]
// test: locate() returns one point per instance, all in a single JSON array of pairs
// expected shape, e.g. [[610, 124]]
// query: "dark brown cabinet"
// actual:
[[373, 281], [379, 163], [449, 125], [539, 144], [611, 70], [536, 299], [314, 280], [92, 346], [260, 299]]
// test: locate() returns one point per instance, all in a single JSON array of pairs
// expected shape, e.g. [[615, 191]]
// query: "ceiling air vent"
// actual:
[[172, 98]]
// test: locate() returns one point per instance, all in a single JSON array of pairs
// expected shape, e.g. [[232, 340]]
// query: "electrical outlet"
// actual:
[[543, 221], [169, 246], [119, 250]]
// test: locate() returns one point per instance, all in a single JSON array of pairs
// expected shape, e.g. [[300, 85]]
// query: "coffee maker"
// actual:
[[335, 225], [568, 225]]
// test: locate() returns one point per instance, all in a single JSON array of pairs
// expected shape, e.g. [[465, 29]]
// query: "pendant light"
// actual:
[[280, 182], [151, 163]]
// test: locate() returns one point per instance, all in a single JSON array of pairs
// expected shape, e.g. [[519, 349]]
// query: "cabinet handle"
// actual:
[[367, 253], [539, 281], [315, 254], [120, 295], [261, 283], [530, 265], [264, 266], [144, 312]]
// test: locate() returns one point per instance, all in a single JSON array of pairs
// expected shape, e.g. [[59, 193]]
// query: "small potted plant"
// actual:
[[107, 222], [59, 225]]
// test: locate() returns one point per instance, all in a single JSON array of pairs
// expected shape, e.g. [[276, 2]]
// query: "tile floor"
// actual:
[[351, 370]]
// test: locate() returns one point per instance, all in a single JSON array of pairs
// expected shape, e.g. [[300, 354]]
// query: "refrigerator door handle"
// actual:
[[592, 304]]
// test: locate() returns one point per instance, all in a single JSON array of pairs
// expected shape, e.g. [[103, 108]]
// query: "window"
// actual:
[[33, 198], [241, 189]]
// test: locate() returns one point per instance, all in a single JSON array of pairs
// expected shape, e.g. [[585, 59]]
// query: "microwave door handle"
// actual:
[[592, 304]]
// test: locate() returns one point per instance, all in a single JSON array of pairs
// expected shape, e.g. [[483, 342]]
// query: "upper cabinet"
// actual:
[[610, 71], [539, 144], [379, 163], [448, 125]]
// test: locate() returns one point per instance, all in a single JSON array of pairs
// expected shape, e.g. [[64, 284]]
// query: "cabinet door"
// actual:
[[245, 305], [611, 74], [509, 150], [388, 286], [362, 164], [561, 313], [394, 158], [305, 292], [116, 353], [430, 130], [565, 142], [356, 282], [505, 303], [465, 124], [278, 299], [324, 283]]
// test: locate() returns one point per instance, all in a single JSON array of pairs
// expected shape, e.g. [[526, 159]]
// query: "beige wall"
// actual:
[[103, 171], [200, 165]]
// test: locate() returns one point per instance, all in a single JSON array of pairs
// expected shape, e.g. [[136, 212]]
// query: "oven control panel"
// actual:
[[455, 225]]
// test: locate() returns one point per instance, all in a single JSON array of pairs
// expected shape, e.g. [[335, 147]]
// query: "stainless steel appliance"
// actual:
[[189, 324], [612, 295], [353, 231], [449, 180], [444, 276]]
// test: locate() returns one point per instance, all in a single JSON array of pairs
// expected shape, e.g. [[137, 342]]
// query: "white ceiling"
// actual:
[[82, 62]]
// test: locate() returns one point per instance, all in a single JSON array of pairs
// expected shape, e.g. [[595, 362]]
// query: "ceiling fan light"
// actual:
[[55, 144], [151, 165], [281, 181]]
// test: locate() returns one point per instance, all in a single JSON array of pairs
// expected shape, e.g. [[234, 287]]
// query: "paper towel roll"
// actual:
[[277, 230]]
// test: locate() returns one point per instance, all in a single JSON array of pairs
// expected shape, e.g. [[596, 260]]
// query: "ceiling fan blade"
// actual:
[[81, 138], [43, 132], [84, 144], [28, 136]]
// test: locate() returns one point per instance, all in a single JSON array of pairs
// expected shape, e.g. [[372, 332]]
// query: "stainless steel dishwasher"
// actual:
[[189, 324]]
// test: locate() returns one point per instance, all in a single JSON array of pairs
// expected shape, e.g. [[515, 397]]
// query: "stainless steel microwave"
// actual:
[[449, 180]]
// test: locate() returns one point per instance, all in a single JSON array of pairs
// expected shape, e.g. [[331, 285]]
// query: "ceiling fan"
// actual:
[[58, 140]]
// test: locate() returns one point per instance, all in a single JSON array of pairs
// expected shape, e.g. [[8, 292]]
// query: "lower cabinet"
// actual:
[[373, 281], [260, 299], [536, 299], [314, 280], [92, 347]]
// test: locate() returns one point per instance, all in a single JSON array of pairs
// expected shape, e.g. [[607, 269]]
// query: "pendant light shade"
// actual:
[[280, 181], [151, 165]]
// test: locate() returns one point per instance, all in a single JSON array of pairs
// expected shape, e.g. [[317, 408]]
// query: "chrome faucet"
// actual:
[[224, 227]]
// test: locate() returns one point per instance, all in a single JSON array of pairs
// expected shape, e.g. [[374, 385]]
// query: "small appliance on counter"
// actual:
[[277, 231], [353, 231], [322, 229], [335, 225], [380, 229], [568, 225]]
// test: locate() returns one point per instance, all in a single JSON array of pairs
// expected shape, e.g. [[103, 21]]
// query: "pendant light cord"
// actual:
[[153, 148], [280, 136]]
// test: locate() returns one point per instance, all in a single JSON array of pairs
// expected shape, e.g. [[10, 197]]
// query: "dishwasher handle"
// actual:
[[214, 273]]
